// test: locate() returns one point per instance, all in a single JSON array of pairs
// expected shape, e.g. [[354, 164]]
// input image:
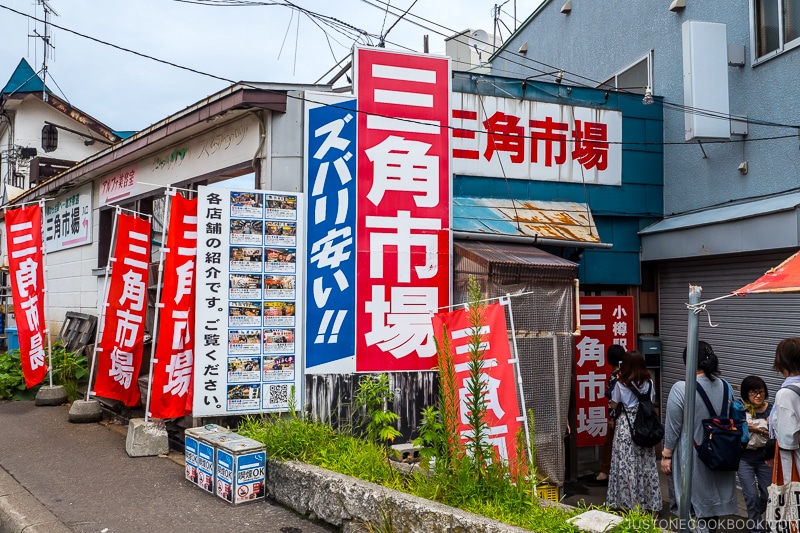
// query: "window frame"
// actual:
[[612, 82], [783, 46]]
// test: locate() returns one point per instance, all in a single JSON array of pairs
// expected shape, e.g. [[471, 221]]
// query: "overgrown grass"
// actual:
[[290, 438], [494, 496]]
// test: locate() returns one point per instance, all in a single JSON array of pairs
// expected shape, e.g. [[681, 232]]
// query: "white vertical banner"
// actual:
[[249, 301]]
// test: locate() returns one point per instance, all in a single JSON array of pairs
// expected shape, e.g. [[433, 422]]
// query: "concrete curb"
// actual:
[[20, 512], [350, 503]]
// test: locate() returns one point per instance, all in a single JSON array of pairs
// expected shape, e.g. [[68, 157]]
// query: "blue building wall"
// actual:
[[619, 211], [596, 40]]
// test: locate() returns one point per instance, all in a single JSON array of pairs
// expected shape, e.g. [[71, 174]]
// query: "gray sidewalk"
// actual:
[[583, 492], [57, 477]]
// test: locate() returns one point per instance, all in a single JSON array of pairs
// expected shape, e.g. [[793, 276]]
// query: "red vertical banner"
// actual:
[[120, 350], [403, 207], [497, 374], [174, 360], [26, 275], [605, 320]]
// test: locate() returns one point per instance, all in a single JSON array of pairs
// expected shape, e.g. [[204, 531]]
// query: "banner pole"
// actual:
[[162, 254], [46, 299], [519, 375], [101, 319], [687, 434]]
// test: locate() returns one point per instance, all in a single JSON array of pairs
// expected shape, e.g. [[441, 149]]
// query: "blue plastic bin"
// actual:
[[12, 338]]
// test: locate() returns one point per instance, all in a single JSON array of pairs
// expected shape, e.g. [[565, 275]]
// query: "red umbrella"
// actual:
[[782, 278]]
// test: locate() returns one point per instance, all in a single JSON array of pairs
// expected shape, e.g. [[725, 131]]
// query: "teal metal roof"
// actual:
[[24, 80]]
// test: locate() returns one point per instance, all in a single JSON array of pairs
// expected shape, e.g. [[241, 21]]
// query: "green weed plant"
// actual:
[[70, 370], [372, 398]]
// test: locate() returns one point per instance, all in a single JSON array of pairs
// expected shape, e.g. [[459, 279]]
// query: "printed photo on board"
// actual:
[[244, 397], [246, 313], [280, 259], [283, 207], [246, 204], [243, 286], [244, 369], [278, 341], [279, 313], [279, 368], [276, 286], [247, 231], [246, 259], [281, 233], [244, 341]]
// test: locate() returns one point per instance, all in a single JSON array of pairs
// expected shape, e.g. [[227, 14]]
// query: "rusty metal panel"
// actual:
[[511, 263], [567, 221]]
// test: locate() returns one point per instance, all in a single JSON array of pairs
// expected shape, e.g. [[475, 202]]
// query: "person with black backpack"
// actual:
[[713, 491], [633, 479]]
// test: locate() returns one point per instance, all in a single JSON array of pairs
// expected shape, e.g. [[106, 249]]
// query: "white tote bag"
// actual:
[[783, 509]]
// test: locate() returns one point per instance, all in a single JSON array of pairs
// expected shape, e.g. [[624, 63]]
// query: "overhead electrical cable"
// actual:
[[577, 79], [300, 98]]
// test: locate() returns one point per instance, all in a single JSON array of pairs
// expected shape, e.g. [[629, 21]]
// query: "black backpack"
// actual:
[[646, 428], [721, 446]]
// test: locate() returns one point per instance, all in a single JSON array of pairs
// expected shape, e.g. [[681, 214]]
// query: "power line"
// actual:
[[577, 79], [301, 98]]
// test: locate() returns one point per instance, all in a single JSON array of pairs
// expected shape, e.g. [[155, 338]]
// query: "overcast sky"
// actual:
[[242, 42]]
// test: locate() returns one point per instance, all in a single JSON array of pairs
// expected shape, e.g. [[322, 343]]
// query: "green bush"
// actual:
[[70, 369], [12, 382]]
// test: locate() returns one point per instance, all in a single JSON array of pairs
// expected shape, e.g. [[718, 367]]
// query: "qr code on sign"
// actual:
[[277, 396]]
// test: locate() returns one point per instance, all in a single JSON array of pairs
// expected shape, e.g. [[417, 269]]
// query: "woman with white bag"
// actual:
[[782, 507]]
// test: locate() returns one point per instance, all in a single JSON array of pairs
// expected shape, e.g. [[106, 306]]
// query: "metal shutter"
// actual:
[[748, 329]]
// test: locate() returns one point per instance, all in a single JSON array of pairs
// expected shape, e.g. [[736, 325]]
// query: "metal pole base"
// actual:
[[55, 395]]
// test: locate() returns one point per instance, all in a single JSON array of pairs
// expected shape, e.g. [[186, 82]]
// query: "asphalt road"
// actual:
[[82, 474]]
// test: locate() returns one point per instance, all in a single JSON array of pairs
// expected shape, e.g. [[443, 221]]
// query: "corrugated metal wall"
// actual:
[[329, 398], [749, 327]]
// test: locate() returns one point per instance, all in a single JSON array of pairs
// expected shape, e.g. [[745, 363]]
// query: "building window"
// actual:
[[776, 26], [634, 78]]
